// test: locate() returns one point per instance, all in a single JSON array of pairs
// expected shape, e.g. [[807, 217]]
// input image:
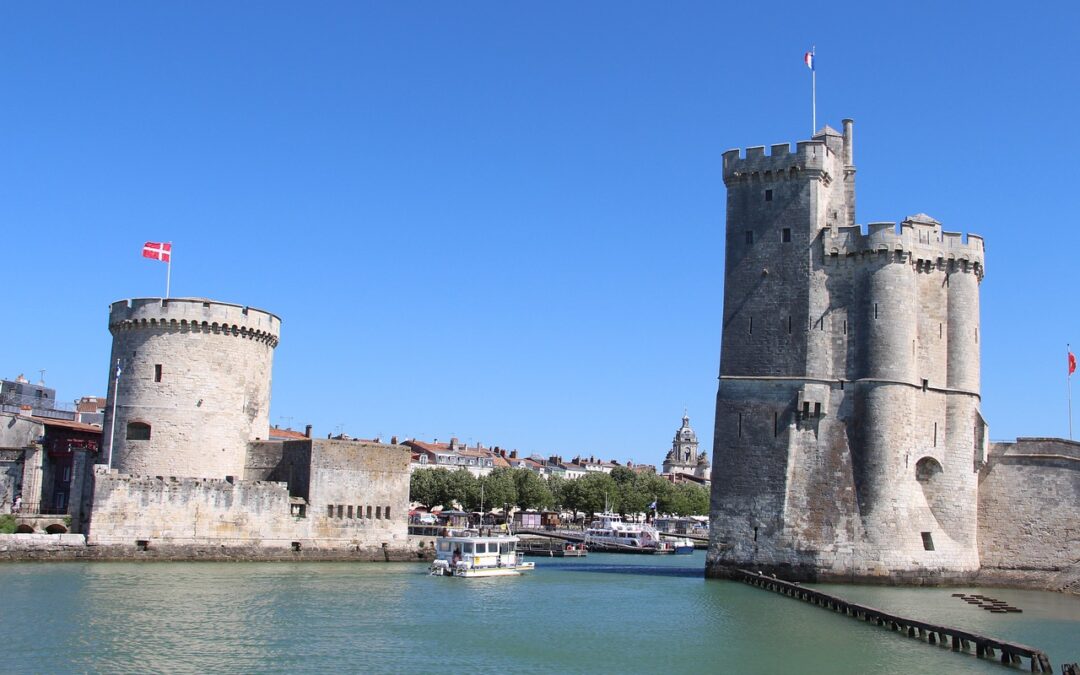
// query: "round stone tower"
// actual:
[[194, 385]]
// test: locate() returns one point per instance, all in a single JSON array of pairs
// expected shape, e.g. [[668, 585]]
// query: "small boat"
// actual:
[[683, 546], [470, 553]]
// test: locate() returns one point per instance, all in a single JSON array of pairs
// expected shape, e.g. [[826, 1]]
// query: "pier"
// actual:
[[981, 646]]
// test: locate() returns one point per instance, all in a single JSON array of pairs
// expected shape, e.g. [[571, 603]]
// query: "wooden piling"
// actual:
[[985, 647]]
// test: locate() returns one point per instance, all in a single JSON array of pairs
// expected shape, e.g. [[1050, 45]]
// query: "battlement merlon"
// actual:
[[828, 151], [152, 311], [919, 237]]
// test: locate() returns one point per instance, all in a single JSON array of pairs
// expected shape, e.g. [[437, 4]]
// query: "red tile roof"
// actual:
[[67, 424], [285, 435]]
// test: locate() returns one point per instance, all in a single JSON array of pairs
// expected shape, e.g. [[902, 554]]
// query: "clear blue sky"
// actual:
[[503, 221]]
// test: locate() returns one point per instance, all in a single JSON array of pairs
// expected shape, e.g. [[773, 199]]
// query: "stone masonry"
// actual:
[[847, 418]]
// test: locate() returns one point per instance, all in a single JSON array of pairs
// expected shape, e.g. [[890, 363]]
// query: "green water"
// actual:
[[603, 614]]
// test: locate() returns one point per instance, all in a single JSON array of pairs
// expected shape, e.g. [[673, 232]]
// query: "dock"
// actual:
[[981, 646]]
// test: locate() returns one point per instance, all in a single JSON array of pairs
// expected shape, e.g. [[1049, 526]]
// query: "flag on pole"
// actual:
[[1072, 363], [809, 60], [158, 251]]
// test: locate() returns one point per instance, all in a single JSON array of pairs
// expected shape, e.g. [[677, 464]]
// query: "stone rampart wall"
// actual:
[[1029, 509], [171, 512]]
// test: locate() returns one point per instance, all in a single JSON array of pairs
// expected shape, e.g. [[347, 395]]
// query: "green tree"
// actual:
[[692, 500], [632, 497], [596, 492], [500, 488], [424, 487], [557, 487], [463, 488], [532, 490]]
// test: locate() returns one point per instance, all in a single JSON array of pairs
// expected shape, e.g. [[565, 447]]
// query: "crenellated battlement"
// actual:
[[780, 163], [919, 238], [195, 315]]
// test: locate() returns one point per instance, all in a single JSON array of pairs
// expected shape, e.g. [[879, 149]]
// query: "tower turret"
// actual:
[[194, 386]]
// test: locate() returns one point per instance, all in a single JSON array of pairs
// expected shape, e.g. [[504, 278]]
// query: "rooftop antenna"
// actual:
[[42, 380]]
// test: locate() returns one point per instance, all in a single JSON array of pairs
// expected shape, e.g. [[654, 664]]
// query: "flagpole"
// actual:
[[168, 272], [116, 395], [1069, 356], [813, 95]]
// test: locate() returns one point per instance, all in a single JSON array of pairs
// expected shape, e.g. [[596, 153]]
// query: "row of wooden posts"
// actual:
[[1011, 653]]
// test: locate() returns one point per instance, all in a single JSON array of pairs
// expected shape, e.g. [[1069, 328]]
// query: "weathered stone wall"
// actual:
[[128, 509], [355, 496], [1029, 510], [359, 490], [198, 373]]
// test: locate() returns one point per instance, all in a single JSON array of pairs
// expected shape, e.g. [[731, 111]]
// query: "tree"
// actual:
[[463, 488], [430, 487], [595, 492], [632, 496], [556, 486], [532, 490], [500, 487]]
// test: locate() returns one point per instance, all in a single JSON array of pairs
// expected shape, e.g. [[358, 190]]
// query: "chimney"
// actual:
[[393, 440], [513, 454], [307, 431]]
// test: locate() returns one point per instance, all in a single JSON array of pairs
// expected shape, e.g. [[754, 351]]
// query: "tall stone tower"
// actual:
[[194, 386], [847, 415]]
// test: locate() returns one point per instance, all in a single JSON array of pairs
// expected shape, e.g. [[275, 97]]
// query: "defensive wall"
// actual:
[[1029, 514], [296, 495], [194, 386]]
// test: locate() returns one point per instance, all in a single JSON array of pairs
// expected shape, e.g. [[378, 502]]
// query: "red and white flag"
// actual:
[[158, 251]]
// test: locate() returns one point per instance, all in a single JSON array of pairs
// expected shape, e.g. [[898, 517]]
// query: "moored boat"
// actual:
[[469, 553], [610, 533], [683, 546]]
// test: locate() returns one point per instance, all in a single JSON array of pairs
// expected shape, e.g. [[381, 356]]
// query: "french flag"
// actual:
[[809, 59]]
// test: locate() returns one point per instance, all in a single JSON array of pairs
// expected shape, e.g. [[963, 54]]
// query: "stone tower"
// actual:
[[847, 415], [683, 456], [194, 386]]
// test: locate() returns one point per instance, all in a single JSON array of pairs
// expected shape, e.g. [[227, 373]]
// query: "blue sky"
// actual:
[[504, 221]]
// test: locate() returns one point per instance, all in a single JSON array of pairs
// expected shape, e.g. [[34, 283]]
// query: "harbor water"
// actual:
[[606, 613]]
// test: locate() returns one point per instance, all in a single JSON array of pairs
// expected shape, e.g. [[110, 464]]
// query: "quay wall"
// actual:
[[72, 547]]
